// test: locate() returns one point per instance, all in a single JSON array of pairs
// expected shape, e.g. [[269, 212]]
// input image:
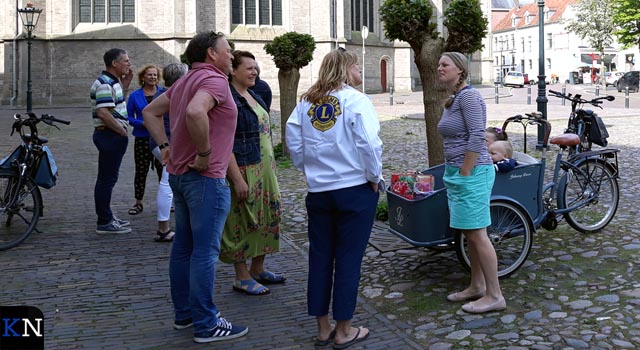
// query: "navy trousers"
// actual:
[[340, 224], [111, 150]]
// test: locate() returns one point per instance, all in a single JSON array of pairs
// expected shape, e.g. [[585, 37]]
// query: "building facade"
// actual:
[[515, 45], [72, 35]]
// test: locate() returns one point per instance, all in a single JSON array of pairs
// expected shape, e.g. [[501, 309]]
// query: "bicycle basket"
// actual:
[[47, 173], [6, 162], [597, 132]]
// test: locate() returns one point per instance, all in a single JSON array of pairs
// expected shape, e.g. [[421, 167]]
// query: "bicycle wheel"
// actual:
[[20, 209], [510, 232], [594, 190]]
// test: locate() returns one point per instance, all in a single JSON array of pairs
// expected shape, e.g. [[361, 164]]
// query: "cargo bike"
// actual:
[[583, 191]]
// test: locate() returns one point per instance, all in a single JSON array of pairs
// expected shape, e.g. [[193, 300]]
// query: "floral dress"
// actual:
[[253, 226]]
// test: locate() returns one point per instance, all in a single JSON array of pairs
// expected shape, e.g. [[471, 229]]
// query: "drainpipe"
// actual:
[[14, 72]]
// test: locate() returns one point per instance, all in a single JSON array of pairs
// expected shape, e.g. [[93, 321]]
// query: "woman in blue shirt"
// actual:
[[148, 78]]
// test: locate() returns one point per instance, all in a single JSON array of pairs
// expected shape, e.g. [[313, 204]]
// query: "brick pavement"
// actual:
[[112, 291]]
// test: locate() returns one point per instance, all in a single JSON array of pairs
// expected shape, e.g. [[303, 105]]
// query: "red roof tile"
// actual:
[[558, 6]]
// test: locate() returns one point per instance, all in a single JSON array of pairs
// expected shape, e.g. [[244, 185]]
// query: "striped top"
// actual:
[[106, 92], [462, 127]]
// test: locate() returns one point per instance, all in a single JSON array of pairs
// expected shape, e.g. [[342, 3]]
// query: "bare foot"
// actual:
[[355, 335]]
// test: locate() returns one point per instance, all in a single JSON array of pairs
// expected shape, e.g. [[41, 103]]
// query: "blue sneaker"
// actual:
[[123, 223], [186, 323], [112, 227], [222, 331]]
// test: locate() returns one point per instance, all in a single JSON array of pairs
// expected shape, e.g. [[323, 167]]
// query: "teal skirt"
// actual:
[[469, 196]]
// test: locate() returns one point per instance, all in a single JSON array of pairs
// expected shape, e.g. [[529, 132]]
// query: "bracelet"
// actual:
[[204, 154], [163, 146]]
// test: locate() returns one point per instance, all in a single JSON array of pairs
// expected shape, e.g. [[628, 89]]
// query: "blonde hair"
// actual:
[[462, 63], [143, 71], [334, 71], [504, 146]]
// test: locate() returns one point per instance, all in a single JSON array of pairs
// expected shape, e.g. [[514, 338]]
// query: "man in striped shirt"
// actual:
[[109, 111]]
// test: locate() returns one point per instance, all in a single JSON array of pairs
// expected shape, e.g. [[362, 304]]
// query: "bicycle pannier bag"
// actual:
[[47, 171], [5, 162], [597, 131]]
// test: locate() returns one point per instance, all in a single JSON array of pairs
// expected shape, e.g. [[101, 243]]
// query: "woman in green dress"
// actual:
[[252, 228]]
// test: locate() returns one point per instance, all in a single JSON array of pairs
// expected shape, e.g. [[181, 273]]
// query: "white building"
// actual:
[[515, 45]]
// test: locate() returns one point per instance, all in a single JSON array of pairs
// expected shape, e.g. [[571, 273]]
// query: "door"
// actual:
[[383, 75]]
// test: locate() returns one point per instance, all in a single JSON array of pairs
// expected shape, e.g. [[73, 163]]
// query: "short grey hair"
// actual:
[[173, 71]]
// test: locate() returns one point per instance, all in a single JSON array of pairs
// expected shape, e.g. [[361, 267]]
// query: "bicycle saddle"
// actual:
[[565, 140]]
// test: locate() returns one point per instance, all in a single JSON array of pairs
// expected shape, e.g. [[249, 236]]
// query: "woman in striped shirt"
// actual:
[[469, 177]]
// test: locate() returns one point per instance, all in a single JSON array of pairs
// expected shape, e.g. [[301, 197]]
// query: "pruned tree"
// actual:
[[626, 18], [593, 22], [291, 51], [412, 21]]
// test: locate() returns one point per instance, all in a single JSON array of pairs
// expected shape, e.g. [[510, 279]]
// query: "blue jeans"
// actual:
[[202, 205], [340, 224], [111, 150]]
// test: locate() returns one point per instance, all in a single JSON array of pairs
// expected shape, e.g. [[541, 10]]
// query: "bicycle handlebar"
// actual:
[[535, 118], [578, 98], [32, 120]]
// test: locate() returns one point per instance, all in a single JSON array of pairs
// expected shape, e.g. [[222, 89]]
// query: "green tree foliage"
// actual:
[[626, 18], [594, 22], [291, 51], [412, 21]]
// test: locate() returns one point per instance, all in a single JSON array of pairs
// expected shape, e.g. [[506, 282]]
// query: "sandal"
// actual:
[[250, 287], [164, 236], [268, 277], [136, 209]]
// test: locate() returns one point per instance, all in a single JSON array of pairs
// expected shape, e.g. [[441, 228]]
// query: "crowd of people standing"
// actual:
[[207, 134]]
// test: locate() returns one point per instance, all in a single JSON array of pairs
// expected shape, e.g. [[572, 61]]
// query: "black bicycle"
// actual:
[[584, 122], [22, 173]]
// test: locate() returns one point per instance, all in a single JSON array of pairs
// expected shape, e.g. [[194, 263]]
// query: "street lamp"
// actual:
[[29, 16], [365, 34], [542, 98]]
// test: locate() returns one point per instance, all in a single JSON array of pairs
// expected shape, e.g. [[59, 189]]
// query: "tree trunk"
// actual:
[[433, 96], [288, 81]]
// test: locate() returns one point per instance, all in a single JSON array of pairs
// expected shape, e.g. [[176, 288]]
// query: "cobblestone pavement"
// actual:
[[112, 292]]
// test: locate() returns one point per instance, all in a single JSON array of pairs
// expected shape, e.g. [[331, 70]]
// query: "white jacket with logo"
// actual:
[[336, 143]]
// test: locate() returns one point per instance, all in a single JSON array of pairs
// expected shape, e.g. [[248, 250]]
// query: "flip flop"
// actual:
[[268, 277], [352, 341], [250, 287], [326, 342]]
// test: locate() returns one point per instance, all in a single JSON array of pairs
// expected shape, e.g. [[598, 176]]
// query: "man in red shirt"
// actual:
[[203, 121]]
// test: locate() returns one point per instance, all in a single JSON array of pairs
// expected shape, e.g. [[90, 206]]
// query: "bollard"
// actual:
[[529, 94], [497, 96], [564, 92], [626, 97], [390, 95], [597, 90]]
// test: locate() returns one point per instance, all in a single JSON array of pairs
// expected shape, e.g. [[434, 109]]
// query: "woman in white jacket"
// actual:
[[332, 137]]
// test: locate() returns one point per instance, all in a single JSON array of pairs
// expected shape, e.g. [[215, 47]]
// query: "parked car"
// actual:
[[612, 78], [514, 79], [629, 79]]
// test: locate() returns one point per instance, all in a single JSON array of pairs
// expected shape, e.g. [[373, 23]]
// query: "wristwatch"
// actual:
[[163, 146]]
